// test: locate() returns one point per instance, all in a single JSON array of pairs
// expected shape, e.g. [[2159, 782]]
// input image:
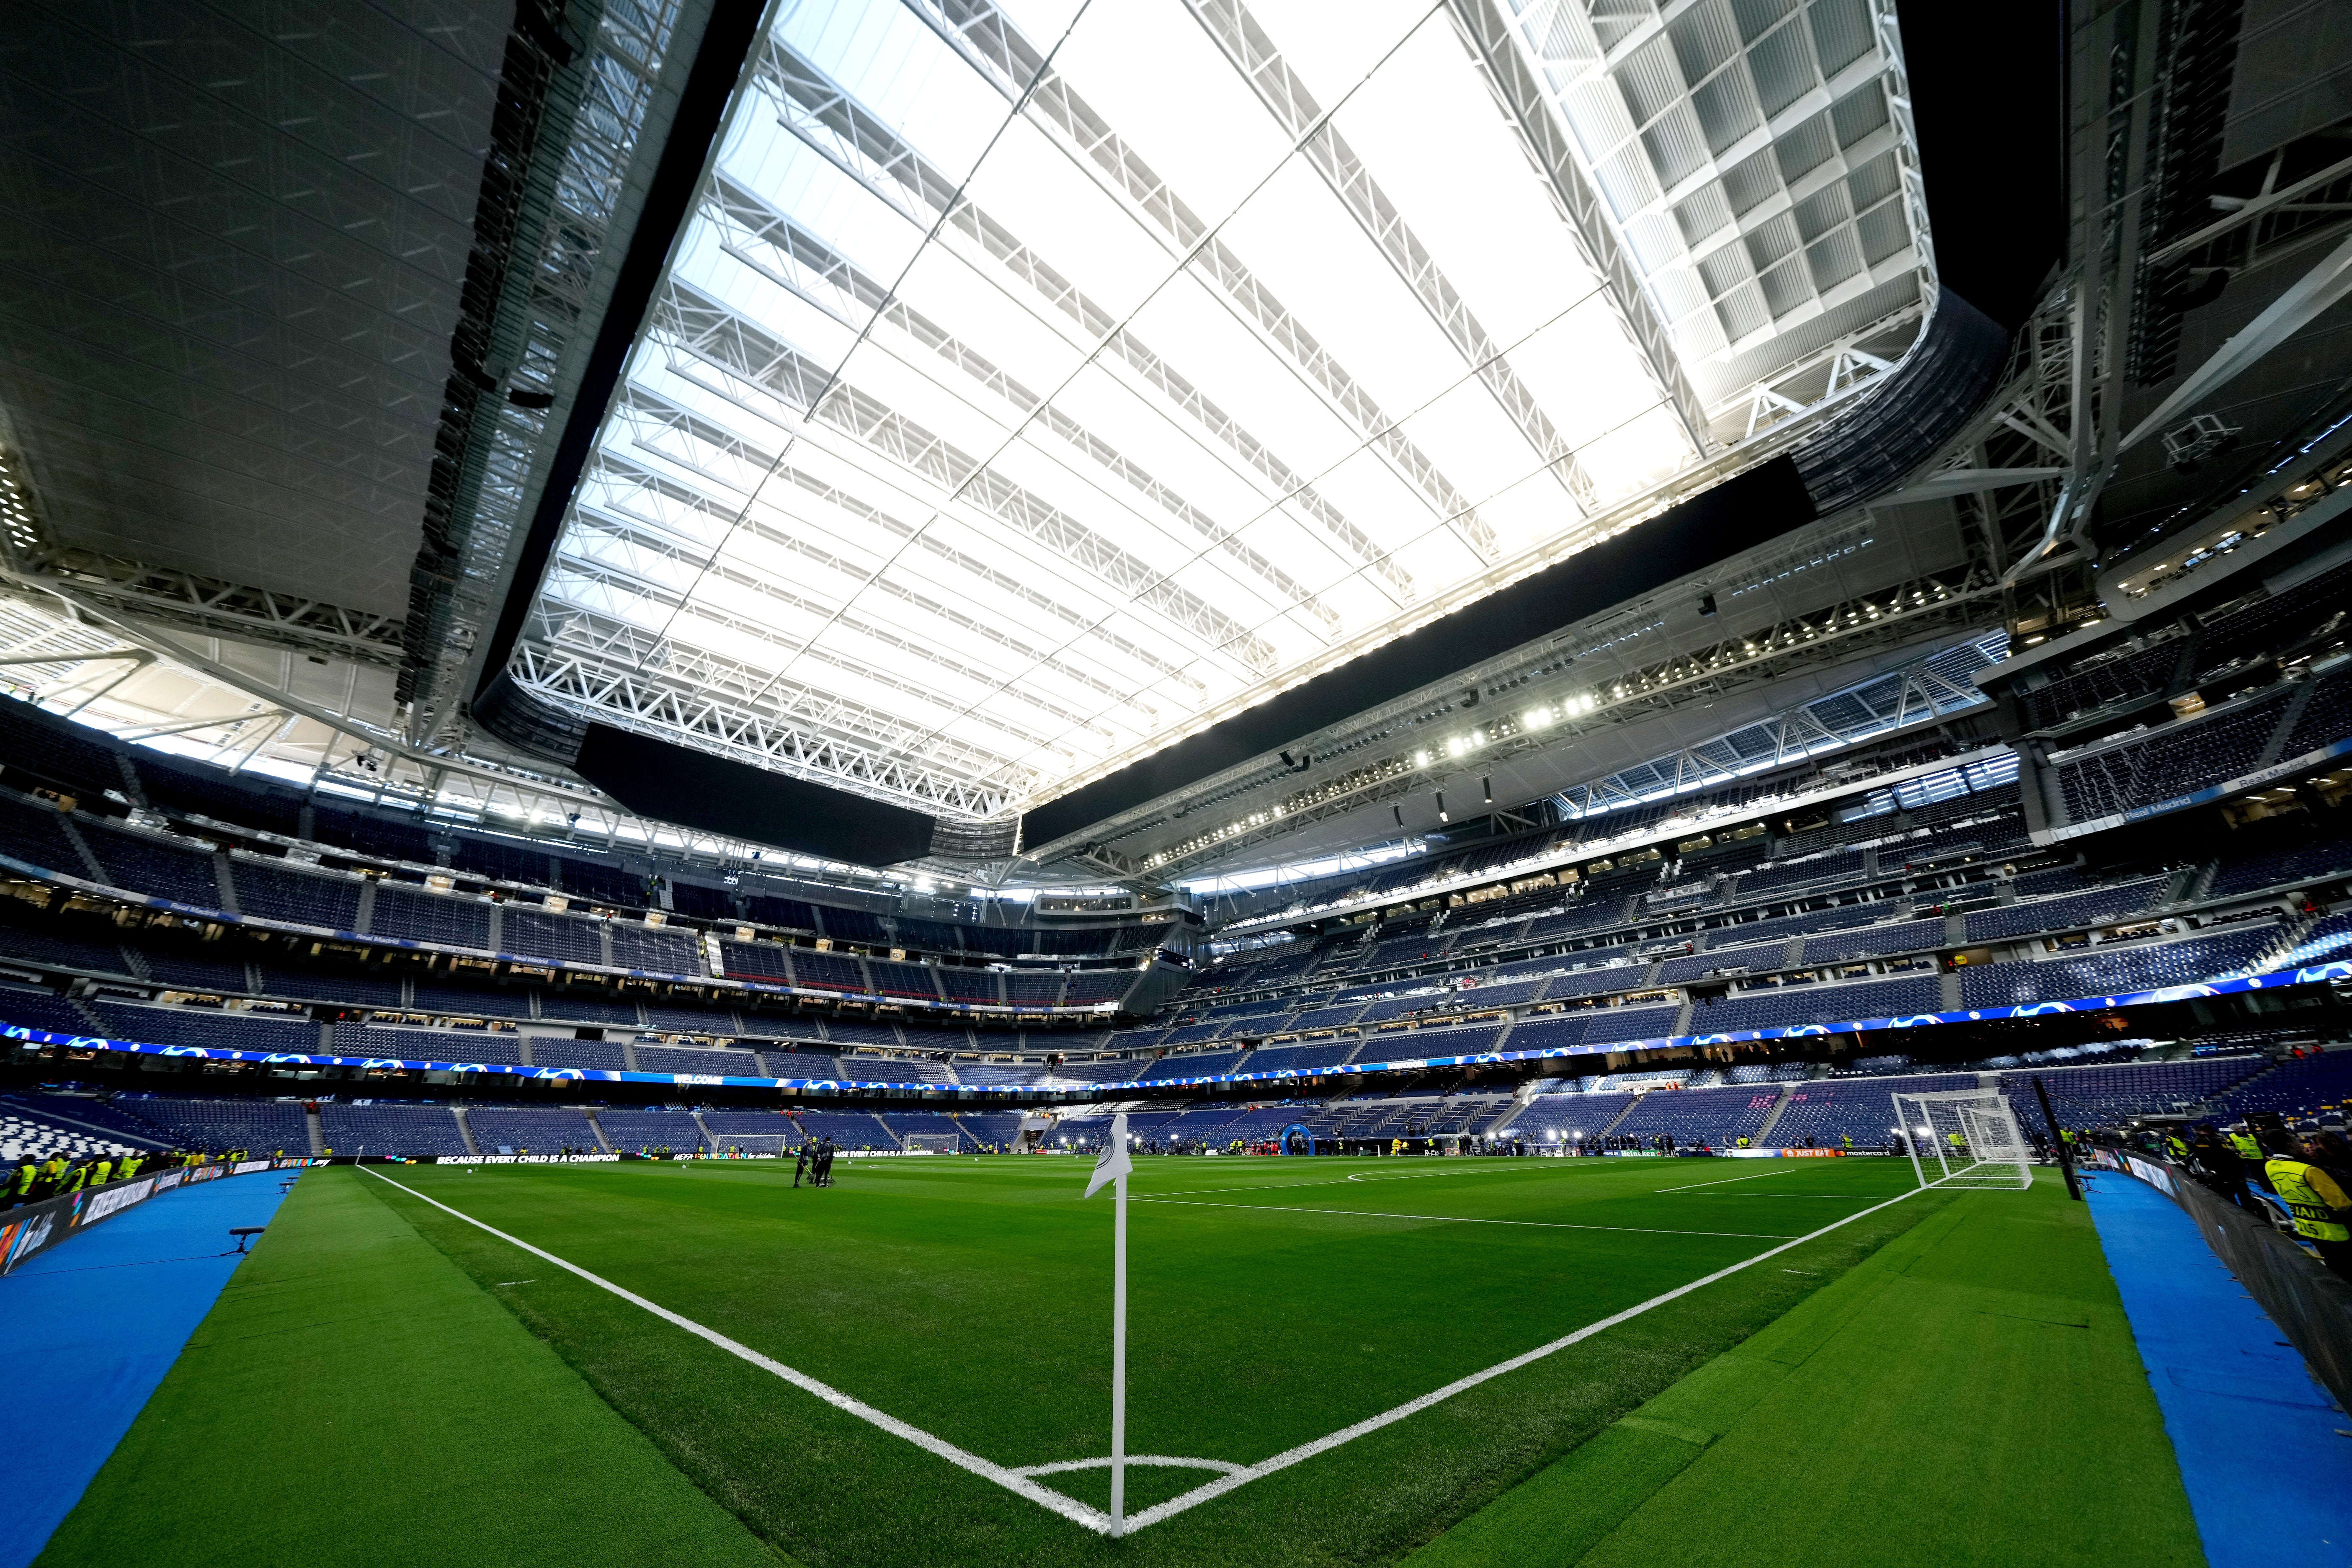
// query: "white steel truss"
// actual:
[[1015, 404]]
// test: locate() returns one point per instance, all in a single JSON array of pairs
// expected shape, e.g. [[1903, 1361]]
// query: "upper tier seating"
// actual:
[[539, 933], [2113, 972], [595, 1056], [723, 1063], [800, 1064], [137, 863], [464, 1046], [42, 1010], [35, 834], [2173, 760], [469, 1002], [212, 1030], [1291, 1059], [442, 918], [2325, 718], [1199, 1064], [1874, 942], [997, 1073], [300, 896], [2069, 913], [191, 968], [1787, 1005], [2309, 858], [1756, 960], [689, 1020]]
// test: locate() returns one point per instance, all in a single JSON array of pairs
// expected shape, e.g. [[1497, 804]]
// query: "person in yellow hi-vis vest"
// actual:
[[2323, 1213]]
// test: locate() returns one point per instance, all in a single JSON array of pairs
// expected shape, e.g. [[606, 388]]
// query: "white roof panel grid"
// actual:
[[1748, 154], [1034, 386]]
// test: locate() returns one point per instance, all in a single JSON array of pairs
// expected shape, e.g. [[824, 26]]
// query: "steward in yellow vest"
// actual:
[[2323, 1213]]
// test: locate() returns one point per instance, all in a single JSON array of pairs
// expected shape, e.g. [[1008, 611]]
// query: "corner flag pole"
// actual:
[[1113, 1166], [1118, 1363]]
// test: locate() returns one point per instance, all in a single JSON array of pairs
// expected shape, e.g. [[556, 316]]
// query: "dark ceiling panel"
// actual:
[[664, 783]]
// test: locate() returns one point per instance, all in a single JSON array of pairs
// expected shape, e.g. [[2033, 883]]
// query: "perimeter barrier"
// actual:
[[2311, 1306], [34, 1228]]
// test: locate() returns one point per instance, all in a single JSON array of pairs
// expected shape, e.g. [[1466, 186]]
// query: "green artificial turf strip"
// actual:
[[1970, 1394], [353, 1398], [972, 1299]]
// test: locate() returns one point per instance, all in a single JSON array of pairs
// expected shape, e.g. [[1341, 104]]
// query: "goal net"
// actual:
[[1963, 1138], [724, 1143], [934, 1144]]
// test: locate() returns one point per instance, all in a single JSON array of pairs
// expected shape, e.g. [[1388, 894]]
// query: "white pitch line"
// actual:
[[1093, 1519], [1774, 1197], [1725, 1182], [1290, 1457], [1010, 1480], [1224, 1467], [1460, 1220]]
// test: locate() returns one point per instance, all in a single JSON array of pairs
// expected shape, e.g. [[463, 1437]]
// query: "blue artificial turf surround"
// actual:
[[88, 1328], [2268, 1472]]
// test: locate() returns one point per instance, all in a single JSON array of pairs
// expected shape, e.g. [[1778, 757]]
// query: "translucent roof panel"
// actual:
[[1033, 387]]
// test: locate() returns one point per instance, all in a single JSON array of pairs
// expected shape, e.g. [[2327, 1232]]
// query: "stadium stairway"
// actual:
[[465, 1130], [1763, 1134], [1520, 1100], [1631, 1106], [310, 1130]]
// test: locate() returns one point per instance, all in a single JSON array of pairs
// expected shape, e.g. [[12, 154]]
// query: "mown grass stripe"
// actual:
[[1068, 1507]]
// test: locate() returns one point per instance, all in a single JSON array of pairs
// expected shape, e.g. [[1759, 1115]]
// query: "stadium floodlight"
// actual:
[[1969, 1135]]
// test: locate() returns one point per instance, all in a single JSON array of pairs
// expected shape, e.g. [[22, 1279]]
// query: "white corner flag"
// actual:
[[1113, 1167], [1113, 1162]]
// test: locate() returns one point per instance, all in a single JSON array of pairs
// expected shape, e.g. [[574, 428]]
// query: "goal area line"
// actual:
[[1018, 1480]]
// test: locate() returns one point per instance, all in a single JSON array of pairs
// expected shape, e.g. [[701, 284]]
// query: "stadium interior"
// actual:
[[606, 605]]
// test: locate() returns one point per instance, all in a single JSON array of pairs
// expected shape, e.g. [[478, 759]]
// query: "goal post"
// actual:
[[1963, 1138], [934, 1144]]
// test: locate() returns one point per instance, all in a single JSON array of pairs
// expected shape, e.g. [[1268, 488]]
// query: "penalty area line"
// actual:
[[1010, 1480]]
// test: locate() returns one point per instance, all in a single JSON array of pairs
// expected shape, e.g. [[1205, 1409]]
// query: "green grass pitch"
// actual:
[[1273, 1303]]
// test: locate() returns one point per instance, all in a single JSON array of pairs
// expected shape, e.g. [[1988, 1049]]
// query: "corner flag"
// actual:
[[1114, 1162], [1115, 1166]]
